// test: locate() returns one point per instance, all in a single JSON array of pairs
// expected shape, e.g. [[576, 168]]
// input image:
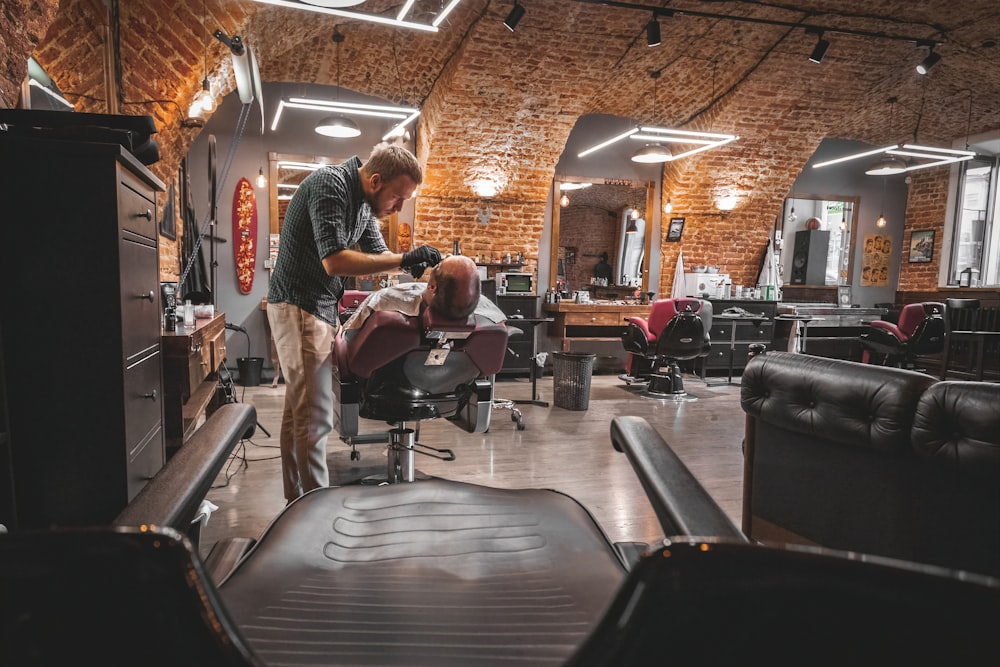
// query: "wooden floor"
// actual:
[[565, 450]]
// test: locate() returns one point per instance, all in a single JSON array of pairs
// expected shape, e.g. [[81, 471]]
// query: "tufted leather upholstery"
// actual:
[[872, 459]]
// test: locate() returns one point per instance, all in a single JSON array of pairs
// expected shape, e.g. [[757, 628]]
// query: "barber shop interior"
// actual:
[[493, 332]]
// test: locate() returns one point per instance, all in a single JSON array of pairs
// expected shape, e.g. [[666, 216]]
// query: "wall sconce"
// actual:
[[726, 203], [483, 214]]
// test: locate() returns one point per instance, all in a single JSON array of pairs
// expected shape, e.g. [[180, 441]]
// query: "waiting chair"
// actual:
[[677, 330], [920, 330], [446, 573], [397, 368]]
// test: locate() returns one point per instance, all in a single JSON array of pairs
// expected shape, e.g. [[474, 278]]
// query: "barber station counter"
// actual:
[[832, 331], [601, 321]]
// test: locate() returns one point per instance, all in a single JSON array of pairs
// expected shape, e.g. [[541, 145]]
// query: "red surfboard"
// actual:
[[244, 234]]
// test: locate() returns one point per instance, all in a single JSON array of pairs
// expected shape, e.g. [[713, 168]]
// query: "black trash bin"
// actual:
[[250, 368], [571, 372]]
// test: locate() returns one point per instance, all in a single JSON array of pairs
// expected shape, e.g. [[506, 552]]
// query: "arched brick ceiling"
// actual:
[[496, 102]]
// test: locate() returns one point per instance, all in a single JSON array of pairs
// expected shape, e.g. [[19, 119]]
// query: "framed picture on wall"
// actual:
[[922, 246], [675, 229]]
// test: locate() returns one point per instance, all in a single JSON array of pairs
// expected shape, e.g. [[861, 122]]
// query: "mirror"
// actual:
[[818, 240], [592, 218]]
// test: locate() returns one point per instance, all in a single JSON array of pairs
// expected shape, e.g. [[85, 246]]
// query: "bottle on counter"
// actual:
[[170, 320], [188, 313]]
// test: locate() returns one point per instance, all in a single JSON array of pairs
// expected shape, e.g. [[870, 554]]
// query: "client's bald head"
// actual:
[[453, 287]]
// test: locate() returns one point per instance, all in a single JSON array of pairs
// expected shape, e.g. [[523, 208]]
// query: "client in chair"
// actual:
[[418, 351]]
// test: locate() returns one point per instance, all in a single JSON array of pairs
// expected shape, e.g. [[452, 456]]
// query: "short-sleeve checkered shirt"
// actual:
[[327, 213]]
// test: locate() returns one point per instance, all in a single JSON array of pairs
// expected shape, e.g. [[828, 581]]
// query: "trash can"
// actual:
[[571, 373], [250, 368]]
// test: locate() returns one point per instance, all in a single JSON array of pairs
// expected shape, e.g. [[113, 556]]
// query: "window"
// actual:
[[976, 238]]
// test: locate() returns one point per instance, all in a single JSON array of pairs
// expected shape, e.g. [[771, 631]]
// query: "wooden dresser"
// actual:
[[80, 330], [191, 360]]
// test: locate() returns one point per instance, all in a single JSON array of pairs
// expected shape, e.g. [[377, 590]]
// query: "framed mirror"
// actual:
[[601, 240], [818, 234]]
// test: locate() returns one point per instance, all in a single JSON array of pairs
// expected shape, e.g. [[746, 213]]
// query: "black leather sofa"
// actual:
[[873, 460]]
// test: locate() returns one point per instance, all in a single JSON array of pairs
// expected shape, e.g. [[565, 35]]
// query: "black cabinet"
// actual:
[[746, 332], [520, 348], [80, 351]]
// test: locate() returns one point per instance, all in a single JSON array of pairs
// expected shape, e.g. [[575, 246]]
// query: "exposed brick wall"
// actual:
[[23, 24], [925, 209]]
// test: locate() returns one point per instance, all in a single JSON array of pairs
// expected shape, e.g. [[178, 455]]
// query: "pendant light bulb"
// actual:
[[261, 178], [668, 207], [204, 99], [881, 222], [791, 216], [564, 201]]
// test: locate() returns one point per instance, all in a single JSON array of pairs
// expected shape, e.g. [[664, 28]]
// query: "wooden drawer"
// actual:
[[593, 319], [140, 297], [143, 400], [145, 461], [136, 205], [199, 364], [746, 332]]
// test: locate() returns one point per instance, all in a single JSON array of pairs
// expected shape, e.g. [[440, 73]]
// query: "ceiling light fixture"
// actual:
[[934, 157], [653, 153], [653, 32], [334, 8], [203, 102], [632, 227], [927, 63], [820, 49], [564, 201], [515, 16], [567, 185], [338, 126]]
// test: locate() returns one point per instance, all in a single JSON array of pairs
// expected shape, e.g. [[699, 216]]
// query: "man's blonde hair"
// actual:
[[391, 161]]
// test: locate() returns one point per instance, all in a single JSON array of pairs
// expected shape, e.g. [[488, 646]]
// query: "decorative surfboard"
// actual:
[[244, 234]]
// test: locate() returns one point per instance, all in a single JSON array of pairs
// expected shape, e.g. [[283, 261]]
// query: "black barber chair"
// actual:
[[399, 369], [445, 573], [919, 330], [677, 330]]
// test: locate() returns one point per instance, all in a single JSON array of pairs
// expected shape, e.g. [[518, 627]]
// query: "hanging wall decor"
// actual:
[[244, 234]]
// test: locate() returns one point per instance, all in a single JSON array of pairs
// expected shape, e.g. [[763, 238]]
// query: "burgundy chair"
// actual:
[[398, 368], [920, 330], [677, 330], [349, 302]]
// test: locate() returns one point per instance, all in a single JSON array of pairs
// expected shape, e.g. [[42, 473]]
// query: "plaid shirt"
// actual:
[[328, 213]]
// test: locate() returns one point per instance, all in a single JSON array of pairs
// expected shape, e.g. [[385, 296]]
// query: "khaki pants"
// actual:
[[305, 352]]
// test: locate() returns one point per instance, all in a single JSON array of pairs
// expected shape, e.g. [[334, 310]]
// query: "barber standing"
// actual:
[[334, 211]]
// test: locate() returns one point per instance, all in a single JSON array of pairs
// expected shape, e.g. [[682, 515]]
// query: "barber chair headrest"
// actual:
[[434, 323]]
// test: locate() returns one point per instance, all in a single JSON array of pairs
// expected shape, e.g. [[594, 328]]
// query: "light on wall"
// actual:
[[261, 178], [726, 203]]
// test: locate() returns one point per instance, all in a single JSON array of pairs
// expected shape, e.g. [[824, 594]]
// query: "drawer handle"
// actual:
[[148, 215], [149, 296], [151, 395], [197, 348], [593, 319]]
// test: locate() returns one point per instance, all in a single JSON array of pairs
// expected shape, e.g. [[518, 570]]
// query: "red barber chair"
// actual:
[[677, 330], [397, 368], [920, 330]]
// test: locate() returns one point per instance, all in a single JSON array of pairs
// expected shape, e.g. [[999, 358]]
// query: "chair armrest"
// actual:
[[641, 323], [173, 496], [679, 500]]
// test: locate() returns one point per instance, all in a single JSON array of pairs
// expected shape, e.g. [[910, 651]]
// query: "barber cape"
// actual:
[[406, 299]]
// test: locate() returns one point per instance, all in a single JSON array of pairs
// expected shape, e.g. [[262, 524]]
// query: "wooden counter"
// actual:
[[581, 322], [191, 360]]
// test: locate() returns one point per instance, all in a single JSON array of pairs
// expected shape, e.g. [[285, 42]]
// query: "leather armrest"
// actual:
[[681, 503]]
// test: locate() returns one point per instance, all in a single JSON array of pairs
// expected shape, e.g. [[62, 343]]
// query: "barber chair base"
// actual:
[[668, 386], [515, 413], [632, 380]]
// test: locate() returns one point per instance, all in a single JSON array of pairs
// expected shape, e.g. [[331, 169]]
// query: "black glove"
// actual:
[[417, 270], [425, 254]]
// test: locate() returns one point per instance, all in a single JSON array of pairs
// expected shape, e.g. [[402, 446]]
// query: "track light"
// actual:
[[653, 33], [930, 61], [338, 127], [516, 14], [819, 50]]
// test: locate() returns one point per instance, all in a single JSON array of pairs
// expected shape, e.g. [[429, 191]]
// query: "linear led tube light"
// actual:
[[405, 115], [855, 156], [938, 156], [299, 166], [362, 16], [608, 142], [444, 13], [663, 134]]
